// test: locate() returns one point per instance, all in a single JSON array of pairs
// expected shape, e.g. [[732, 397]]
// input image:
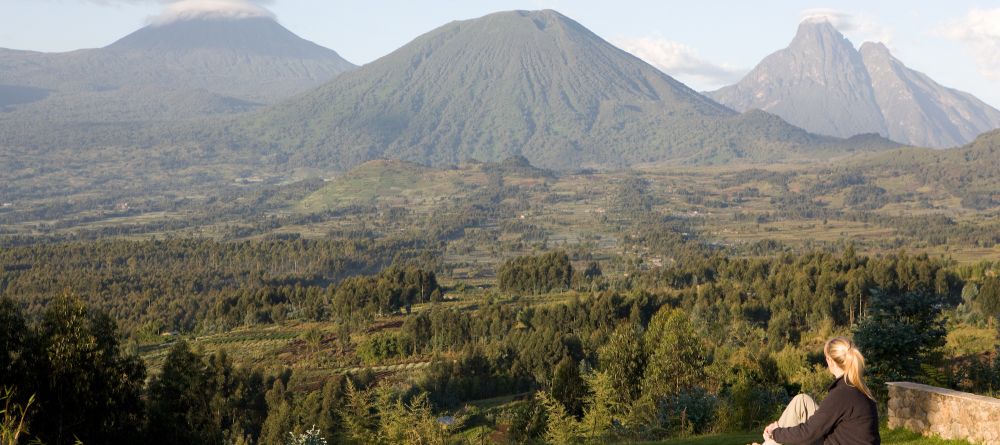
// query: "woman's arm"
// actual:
[[817, 426]]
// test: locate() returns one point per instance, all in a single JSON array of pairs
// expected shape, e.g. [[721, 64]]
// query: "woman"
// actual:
[[847, 415]]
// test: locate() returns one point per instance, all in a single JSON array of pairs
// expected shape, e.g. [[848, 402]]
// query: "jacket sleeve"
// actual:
[[819, 424]]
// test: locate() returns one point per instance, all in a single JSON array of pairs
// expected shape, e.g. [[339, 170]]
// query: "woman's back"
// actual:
[[845, 417]]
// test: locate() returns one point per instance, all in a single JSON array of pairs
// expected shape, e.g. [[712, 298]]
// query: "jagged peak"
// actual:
[[875, 48], [817, 25], [819, 31]]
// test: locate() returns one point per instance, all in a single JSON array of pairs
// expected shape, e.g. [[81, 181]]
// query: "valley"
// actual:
[[507, 230]]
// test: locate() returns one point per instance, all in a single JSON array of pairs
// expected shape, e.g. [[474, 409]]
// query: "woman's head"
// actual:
[[841, 352]]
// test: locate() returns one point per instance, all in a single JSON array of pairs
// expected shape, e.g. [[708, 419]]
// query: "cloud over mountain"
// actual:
[[213, 9], [175, 10], [680, 61], [860, 27]]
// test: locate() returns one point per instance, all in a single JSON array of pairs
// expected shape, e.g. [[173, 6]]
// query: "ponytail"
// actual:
[[847, 356]]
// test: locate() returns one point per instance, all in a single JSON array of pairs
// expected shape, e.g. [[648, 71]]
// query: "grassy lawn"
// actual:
[[889, 437]]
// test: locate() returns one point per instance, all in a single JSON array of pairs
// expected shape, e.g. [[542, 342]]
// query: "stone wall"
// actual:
[[943, 412]]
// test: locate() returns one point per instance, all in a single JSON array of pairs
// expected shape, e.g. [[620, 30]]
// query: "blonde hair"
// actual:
[[847, 356]]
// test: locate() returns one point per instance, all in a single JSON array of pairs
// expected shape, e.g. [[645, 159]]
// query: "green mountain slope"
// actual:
[[536, 84], [970, 172]]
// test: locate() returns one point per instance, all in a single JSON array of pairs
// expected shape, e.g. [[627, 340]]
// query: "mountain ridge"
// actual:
[[918, 109], [517, 83], [821, 83]]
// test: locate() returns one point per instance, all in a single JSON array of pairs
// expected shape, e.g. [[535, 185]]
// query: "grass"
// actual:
[[721, 439], [968, 340], [906, 437], [889, 437], [396, 181]]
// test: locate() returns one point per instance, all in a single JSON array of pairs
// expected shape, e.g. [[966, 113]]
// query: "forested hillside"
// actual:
[[970, 172]]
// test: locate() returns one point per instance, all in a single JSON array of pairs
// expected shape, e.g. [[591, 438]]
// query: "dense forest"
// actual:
[[711, 342]]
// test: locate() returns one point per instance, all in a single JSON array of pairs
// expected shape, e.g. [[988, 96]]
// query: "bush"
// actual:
[[379, 347], [690, 411], [749, 406]]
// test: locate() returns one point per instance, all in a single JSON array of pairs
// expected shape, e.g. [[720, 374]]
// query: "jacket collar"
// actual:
[[835, 383]]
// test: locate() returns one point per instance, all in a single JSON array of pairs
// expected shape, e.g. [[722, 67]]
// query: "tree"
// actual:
[[358, 415], [602, 411], [203, 400], [623, 358], [901, 331], [676, 354], [988, 299], [561, 428], [279, 420], [279, 414], [328, 420], [410, 422], [536, 274], [15, 345], [89, 388], [180, 401], [568, 387], [677, 364]]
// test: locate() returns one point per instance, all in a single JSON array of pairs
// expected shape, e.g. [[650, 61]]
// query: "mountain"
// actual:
[[970, 172], [920, 111], [183, 68], [821, 83], [253, 59], [530, 83]]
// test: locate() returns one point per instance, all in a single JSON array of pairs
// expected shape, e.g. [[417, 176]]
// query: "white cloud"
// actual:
[[979, 30], [680, 61], [217, 9], [174, 10], [859, 28]]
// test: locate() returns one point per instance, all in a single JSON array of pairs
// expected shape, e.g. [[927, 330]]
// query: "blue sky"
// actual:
[[703, 43]]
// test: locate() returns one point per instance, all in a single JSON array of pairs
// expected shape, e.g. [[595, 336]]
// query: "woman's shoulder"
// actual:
[[840, 389], [849, 396]]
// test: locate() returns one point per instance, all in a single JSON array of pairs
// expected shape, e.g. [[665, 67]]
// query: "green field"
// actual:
[[735, 206]]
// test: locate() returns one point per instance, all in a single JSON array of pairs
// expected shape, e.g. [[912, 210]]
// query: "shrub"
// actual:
[[382, 346]]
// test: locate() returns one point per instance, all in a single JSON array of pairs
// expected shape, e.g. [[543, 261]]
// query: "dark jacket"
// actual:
[[846, 417]]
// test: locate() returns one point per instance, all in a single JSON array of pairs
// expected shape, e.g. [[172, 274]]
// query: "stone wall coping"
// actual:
[[946, 392]]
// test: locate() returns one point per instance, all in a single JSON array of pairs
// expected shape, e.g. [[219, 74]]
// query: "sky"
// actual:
[[705, 44]]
